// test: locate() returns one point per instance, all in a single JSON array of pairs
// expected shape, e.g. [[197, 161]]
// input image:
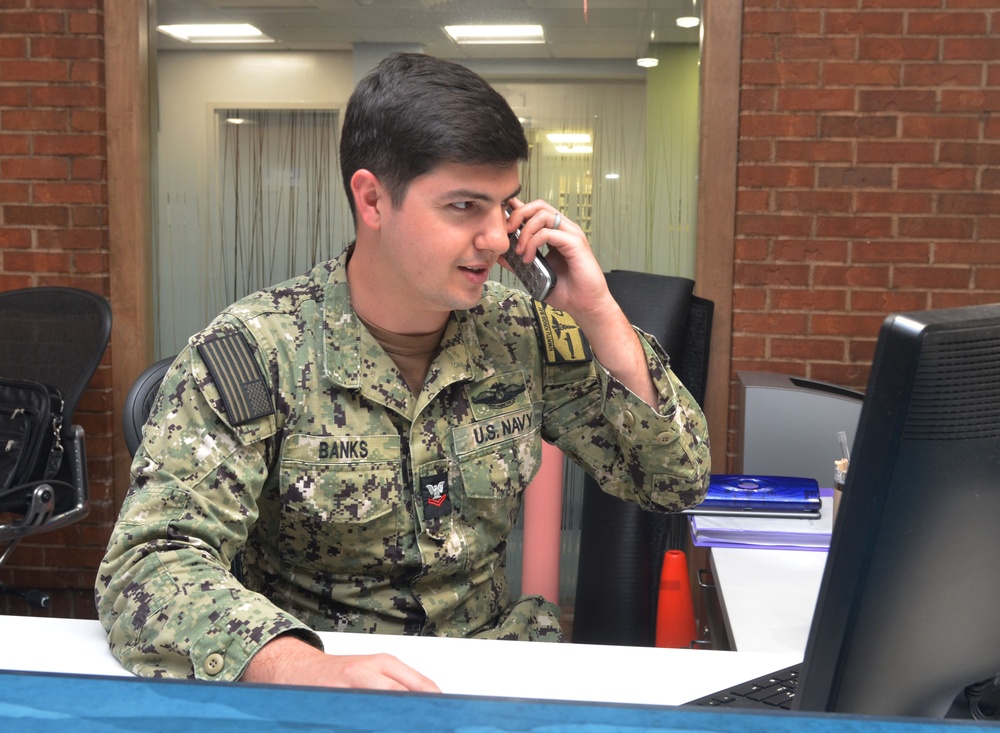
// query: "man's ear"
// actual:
[[369, 198]]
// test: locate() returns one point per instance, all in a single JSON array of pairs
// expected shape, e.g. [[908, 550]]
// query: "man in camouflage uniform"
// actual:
[[362, 434]]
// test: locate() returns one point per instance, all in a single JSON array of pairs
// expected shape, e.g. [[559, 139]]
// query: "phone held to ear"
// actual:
[[538, 277]]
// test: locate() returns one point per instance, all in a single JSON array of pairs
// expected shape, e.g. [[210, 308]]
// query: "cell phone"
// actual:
[[538, 277]]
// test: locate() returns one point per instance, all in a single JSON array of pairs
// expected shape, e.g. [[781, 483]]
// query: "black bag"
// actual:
[[31, 416]]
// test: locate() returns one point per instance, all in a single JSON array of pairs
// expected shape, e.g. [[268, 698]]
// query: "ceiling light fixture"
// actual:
[[215, 33], [688, 21], [568, 138], [647, 62], [472, 34]]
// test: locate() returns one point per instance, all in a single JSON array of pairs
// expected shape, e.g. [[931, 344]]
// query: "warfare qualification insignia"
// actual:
[[560, 339]]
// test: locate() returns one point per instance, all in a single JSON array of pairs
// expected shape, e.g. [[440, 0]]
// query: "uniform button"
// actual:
[[629, 418], [214, 663], [665, 436]]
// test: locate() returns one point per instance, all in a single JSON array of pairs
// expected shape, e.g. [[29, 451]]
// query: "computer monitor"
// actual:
[[908, 612]]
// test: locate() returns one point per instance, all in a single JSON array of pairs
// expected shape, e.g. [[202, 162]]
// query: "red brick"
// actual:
[[26, 71], [892, 151], [14, 144], [13, 48], [770, 323], [896, 100], [970, 100], [887, 301], [937, 178], [970, 153], [851, 276], [982, 48], [892, 202], [15, 193], [789, 225], [775, 176], [938, 277], [781, 23], [951, 228], [72, 238], [15, 238], [843, 324], [757, 99], [941, 127], [779, 125], [91, 262], [66, 48], [69, 193], [47, 216], [813, 299], [34, 168], [772, 274], [32, 261], [752, 200], [54, 144], [803, 201], [809, 250], [751, 249], [33, 22], [16, 119], [949, 23], [890, 252], [814, 150], [854, 227], [942, 75], [790, 48], [855, 127], [864, 23], [868, 74], [816, 99], [967, 252], [968, 203], [14, 97], [897, 49], [66, 96], [808, 349], [801, 72], [854, 177]]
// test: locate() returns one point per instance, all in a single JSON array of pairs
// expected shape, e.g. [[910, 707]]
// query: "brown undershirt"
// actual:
[[412, 353]]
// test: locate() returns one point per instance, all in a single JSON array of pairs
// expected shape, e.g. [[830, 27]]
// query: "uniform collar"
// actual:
[[346, 341]]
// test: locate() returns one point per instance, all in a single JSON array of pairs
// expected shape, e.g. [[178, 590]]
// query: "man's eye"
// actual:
[[463, 205]]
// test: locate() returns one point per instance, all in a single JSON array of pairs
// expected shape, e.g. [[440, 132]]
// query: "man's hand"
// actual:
[[582, 291], [291, 661]]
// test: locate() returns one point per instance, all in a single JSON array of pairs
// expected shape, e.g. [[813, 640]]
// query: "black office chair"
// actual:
[[55, 336], [621, 545], [139, 402]]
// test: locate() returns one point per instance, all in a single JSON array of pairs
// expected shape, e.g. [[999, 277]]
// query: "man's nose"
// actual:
[[495, 238]]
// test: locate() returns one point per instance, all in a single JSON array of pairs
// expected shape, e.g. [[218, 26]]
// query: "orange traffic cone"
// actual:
[[675, 625]]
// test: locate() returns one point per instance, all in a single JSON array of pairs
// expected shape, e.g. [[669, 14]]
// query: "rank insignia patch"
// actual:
[[560, 339], [434, 494]]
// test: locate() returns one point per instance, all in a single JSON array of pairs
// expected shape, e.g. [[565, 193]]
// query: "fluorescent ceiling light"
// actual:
[[688, 22], [568, 137], [496, 33], [647, 62], [216, 33]]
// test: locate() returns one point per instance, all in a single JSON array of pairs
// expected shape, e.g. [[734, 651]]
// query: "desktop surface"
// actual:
[[46, 702]]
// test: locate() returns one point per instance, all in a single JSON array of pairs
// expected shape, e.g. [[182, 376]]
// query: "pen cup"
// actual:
[[839, 479]]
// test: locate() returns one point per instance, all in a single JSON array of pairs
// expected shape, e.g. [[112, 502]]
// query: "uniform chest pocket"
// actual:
[[341, 479], [334, 493], [498, 457]]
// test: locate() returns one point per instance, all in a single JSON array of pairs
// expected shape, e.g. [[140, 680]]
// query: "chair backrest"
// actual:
[[54, 335], [621, 545], [139, 402]]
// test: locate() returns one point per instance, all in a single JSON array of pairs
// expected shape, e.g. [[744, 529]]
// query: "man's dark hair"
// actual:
[[413, 112]]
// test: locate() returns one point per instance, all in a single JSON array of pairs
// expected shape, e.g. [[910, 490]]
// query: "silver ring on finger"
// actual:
[[557, 221]]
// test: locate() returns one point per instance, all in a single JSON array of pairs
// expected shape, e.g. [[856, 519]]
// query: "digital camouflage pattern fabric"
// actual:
[[356, 505]]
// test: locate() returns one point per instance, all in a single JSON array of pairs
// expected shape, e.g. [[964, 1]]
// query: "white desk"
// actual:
[[576, 672], [768, 596]]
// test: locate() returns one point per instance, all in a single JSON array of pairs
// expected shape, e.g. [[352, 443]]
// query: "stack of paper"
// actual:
[[794, 534]]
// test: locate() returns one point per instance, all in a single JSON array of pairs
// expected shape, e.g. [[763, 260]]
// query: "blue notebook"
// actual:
[[770, 496]]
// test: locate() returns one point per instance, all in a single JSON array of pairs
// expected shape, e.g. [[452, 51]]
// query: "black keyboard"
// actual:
[[771, 691]]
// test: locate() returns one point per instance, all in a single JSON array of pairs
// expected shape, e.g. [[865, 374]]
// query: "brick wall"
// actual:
[[867, 175], [53, 231]]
